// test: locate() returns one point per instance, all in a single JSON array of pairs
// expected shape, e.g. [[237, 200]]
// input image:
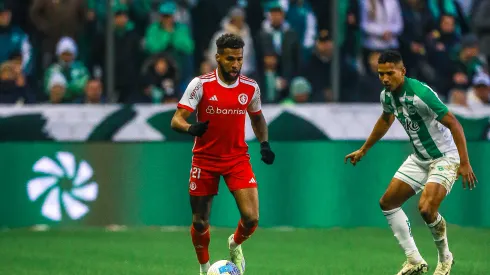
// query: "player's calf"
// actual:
[[200, 239], [246, 227]]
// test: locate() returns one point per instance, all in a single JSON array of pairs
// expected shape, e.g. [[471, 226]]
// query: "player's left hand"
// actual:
[[469, 178], [267, 155]]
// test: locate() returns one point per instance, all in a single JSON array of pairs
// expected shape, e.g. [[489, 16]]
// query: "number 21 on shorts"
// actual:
[[196, 172]]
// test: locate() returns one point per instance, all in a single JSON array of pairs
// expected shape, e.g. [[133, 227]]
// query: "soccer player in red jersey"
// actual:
[[221, 100]]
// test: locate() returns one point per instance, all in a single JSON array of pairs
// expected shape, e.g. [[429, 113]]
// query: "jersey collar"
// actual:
[[224, 84], [403, 88]]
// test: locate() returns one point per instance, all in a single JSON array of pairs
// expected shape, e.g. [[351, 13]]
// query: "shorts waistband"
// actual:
[[446, 154]]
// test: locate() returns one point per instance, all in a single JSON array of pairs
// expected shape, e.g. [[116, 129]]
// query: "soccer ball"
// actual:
[[223, 267]]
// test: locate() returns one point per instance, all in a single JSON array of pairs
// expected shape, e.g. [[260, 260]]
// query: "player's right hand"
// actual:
[[198, 129], [355, 156]]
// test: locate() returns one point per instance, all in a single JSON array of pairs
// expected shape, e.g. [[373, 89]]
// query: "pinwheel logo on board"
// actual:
[[65, 187]]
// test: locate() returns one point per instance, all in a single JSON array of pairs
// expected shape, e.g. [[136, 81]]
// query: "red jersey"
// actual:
[[225, 106]]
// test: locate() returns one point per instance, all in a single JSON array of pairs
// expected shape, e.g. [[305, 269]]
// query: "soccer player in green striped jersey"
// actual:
[[439, 158]]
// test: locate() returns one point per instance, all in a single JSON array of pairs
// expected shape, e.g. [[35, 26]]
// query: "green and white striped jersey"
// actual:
[[419, 109]]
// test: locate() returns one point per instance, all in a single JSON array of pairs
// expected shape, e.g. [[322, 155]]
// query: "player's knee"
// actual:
[[200, 225], [251, 220], [386, 204], [427, 211]]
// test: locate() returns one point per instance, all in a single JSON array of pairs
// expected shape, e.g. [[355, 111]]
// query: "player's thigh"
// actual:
[[442, 175], [397, 193], [444, 171], [201, 208], [247, 201], [241, 181], [408, 181], [432, 197], [203, 182]]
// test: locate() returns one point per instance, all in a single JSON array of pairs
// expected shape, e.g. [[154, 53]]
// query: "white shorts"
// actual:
[[417, 172]]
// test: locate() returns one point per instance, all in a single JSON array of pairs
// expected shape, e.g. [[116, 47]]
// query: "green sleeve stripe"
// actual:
[[429, 97]]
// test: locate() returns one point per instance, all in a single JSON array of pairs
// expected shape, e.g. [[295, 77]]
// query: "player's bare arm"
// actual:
[[179, 123], [380, 129], [465, 170], [259, 125]]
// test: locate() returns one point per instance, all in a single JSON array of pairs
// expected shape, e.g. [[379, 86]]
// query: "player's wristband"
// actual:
[[265, 145]]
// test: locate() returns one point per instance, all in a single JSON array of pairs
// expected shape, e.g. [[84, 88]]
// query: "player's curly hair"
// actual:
[[390, 57], [229, 41]]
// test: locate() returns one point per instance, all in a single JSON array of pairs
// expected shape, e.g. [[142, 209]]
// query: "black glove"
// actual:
[[198, 129], [267, 155]]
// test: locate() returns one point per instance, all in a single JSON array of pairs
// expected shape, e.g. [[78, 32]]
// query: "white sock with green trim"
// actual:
[[400, 225], [438, 230]]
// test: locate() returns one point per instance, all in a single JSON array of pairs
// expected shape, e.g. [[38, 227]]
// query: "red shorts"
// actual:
[[205, 182]]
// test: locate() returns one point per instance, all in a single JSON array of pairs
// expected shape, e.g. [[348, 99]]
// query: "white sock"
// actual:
[[205, 267], [400, 225], [438, 230]]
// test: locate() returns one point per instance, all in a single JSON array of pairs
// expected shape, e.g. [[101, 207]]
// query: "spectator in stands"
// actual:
[[303, 21], [235, 23], [381, 25], [139, 11], [479, 94], [481, 23], [318, 68], [183, 13], [168, 36], [369, 86], [439, 8], [127, 54], [205, 67], [13, 86], [273, 84], [349, 29], [57, 88], [93, 93], [444, 38], [418, 19], [75, 73], [13, 40], [442, 44], [276, 34], [299, 91], [57, 19], [160, 81], [466, 63]]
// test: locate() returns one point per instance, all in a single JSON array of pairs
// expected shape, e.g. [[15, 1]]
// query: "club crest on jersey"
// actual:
[[243, 99], [193, 186], [412, 110]]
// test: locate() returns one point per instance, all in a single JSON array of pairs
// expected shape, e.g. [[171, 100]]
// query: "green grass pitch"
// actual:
[[149, 251]]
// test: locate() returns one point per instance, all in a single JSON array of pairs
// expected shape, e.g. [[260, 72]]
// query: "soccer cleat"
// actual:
[[237, 255], [411, 269], [444, 268]]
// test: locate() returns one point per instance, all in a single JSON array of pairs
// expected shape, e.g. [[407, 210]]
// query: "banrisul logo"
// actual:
[[64, 185]]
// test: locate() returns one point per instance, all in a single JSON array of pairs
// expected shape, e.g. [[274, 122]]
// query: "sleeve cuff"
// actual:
[[182, 106], [255, 113], [441, 114]]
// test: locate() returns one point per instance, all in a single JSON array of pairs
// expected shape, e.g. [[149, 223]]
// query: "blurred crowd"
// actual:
[[55, 51]]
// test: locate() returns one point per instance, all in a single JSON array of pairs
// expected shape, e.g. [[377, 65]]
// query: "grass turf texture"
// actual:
[[299, 251]]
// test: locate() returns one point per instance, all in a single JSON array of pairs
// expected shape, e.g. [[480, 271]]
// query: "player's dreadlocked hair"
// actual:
[[390, 57], [229, 41]]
